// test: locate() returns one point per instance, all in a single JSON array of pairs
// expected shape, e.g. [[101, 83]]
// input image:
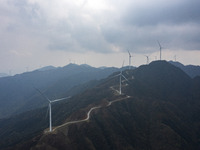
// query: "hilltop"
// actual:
[[160, 112]]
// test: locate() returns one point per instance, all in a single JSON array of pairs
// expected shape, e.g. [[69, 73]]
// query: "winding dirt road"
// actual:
[[89, 113]]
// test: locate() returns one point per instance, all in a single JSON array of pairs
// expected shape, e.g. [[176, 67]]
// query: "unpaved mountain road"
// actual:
[[89, 113]]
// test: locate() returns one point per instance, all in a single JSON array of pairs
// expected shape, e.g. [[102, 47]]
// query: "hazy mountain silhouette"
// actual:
[[46, 68], [3, 75], [191, 70], [162, 112], [18, 94]]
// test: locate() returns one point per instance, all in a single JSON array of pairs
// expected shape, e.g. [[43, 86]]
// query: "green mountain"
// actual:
[[159, 109]]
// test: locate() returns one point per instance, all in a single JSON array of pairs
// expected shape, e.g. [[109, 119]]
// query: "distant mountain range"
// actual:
[[3, 75], [159, 109], [191, 70], [46, 68], [18, 94]]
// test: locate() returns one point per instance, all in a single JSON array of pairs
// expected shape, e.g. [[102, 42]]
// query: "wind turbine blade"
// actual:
[[47, 112], [159, 44], [121, 68], [116, 75], [43, 95], [125, 78], [123, 64], [56, 100], [129, 53], [160, 49]]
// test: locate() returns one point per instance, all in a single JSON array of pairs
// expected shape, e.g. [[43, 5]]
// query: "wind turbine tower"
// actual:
[[160, 49], [174, 57], [10, 72], [147, 59], [50, 101], [120, 79], [120, 82], [129, 59], [27, 68]]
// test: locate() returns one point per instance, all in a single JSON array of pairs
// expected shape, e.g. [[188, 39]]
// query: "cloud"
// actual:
[[98, 26], [68, 26], [176, 24], [163, 12]]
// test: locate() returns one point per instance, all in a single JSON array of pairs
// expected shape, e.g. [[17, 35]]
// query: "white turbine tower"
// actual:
[[129, 59], [120, 82], [120, 79], [160, 49], [50, 101], [175, 58]]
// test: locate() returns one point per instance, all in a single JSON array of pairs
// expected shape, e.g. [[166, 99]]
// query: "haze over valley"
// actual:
[[125, 108]]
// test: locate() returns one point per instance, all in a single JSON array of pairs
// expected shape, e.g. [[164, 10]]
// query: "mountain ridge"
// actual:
[[16, 100], [3, 75], [149, 119], [191, 70]]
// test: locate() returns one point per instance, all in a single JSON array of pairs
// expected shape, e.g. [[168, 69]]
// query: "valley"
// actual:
[[157, 109]]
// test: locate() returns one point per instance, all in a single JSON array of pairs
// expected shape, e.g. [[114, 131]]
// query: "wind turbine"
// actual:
[[120, 79], [129, 59], [26, 69], [160, 49], [175, 58], [147, 59], [51, 101], [10, 72]]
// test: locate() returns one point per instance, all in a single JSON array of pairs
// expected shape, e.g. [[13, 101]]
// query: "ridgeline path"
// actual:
[[89, 112]]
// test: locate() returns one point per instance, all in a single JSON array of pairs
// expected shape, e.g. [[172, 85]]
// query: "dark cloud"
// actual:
[[176, 24], [143, 39], [165, 12], [79, 37], [133, 25]]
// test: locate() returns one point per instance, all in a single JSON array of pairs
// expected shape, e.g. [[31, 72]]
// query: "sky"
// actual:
[[38, 33]]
